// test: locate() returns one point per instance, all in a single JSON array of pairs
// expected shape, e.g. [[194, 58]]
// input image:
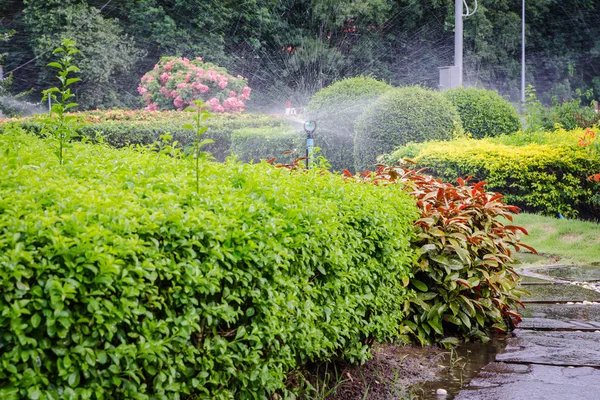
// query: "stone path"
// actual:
[[555, 352]]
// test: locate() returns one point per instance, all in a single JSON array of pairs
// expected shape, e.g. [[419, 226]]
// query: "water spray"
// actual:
[[309, 127]]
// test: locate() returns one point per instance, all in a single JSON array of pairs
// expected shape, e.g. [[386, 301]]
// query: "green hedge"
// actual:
[[484, 113], [119, 281], [402, 115], [126, 132], [542, 177], [265, 143], [335, 109]]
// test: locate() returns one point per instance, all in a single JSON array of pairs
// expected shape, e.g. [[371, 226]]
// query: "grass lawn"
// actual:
[[565, 240]]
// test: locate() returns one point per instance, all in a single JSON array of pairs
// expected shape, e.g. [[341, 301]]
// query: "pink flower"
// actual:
[[178, 102], [232, 93], [203, 88], [164, 77], [222, 84], [181, 86], [142, 90], [246, 91], [152, 107], [198, 58]]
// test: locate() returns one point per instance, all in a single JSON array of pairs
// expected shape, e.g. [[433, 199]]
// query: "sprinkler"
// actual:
[[309, 127]]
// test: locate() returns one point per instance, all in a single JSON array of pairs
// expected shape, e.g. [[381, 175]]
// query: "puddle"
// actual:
[[460, 367]]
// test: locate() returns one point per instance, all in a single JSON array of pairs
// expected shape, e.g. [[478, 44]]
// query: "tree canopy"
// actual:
[[288, 49]]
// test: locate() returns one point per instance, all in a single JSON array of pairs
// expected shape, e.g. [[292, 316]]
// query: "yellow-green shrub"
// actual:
[[536, 177], [120, 281]]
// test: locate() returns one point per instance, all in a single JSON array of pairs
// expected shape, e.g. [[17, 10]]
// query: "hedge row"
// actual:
[[120, 281], [122, 128], [550, 176]]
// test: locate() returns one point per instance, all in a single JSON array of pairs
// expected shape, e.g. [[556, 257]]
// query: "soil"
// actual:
[[391, 373]]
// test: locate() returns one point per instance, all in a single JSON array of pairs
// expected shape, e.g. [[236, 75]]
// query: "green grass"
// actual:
[[565, 240]]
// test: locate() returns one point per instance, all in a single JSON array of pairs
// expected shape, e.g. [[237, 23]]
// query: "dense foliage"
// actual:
[[174, 83], [122, 128], [335, 109], [484, 112], [562, 114], [282, 143], [402, 115], [291, 49], [464, 277], [119, 280], [545, 172]]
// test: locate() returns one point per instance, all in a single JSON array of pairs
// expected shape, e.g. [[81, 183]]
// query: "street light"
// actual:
[[523, 53], [309, 127]]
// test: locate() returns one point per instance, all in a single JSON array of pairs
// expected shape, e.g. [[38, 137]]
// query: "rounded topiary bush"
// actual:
[[335, 109], [402, 115], [484, 112]]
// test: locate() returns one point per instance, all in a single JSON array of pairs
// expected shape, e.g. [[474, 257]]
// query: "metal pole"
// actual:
[[523, 54], [458, 39]]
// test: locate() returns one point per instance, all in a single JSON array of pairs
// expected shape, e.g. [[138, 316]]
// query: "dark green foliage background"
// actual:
[[335, 109], [402, 115], [119, 281], [403, 42], [484, 112]]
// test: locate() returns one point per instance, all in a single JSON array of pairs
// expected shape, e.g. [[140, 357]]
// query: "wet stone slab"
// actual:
[[561, 316], [579, 273], [530, 279], [500, 381], [554, 293], [552, 347]]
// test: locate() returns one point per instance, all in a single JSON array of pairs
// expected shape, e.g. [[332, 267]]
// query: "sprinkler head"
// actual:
[[310, 127]]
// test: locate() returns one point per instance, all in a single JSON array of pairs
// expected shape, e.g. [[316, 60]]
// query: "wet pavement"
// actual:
[[555, 351]]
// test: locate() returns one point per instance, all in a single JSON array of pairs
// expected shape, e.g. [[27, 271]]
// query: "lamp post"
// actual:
[[309, 127], [523, 53]]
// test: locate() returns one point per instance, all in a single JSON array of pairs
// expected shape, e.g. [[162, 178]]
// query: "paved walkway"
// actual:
[[555, 352]]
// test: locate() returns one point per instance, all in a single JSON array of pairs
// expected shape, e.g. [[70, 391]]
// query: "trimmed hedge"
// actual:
[[402, 115], [335, 109], [120, 129], [266, 143], [542, 178], [119, 281], [484, 112]]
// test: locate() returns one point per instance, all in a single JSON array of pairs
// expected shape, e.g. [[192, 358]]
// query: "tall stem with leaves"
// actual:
[[200, 115], [59, 126]]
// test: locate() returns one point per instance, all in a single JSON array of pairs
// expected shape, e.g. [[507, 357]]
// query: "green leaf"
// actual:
[[35, 320], [419, 285]]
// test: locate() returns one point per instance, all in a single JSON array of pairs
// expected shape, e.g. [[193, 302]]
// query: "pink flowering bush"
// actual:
[[174, 83]]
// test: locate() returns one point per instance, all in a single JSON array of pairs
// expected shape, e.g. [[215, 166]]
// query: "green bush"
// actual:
[[563, 114], [402, 115], [121, 133], [483, 112], [120, 281], [335, 109], [266, 143], [542, 178]]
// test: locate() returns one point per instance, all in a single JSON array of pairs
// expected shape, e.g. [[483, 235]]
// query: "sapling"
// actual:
[[59, 126], [201, 114]]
